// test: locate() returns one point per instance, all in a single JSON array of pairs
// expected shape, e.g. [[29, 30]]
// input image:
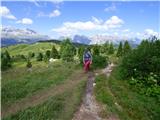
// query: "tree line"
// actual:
[[141, 67], [67, 52]]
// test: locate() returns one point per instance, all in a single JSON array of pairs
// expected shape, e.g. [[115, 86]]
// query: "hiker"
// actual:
[[87, 59]]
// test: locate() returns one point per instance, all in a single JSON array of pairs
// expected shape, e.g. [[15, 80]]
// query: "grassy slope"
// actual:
[[59, 107], [118, 98], [18, 83], [26, 48]]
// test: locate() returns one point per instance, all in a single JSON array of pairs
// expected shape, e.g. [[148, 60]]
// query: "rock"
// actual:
[[94, 84], [52, 60]]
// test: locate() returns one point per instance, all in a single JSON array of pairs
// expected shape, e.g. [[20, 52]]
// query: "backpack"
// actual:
[[87, 56]]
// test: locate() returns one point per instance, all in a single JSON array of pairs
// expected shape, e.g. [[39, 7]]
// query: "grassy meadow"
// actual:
[[119, 98], [21, 85], [54, 90]]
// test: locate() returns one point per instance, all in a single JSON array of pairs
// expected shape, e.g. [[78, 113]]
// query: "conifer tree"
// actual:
[[54, 53], [120, 50]]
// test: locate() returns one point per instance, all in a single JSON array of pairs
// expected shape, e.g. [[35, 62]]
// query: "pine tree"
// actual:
[[7, 55], [54, 53], [47, 54], [5, 60], [63, 44], [29, 64], [67, 50], [120, 50], [39, 57], [96, 50], [80, 53], [126, 48], [111, 49], [67, 54], [104, 48]]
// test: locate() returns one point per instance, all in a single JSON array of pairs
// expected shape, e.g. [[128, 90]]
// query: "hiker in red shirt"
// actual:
[[87, 59]]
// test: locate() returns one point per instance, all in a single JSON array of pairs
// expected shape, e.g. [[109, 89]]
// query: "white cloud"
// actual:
[[111, 8], [55, 13], [150, 32], [63, 31], [80, 25], [116, 33], [93, 25], [26, 21], [5, 12], [114, 22], [126, 30], [96, 20]]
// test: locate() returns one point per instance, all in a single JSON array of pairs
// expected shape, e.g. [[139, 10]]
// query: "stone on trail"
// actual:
[[52, 60]]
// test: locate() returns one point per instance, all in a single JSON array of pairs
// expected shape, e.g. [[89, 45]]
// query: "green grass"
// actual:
[[26, 48], [59, 107], [133, 106], [18, 83]]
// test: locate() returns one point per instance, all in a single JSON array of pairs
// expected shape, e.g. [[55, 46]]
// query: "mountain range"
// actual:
[[101, 39], [12, 36]]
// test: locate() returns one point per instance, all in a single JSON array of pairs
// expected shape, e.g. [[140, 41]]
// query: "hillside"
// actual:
[[26, 48], [62, 90]]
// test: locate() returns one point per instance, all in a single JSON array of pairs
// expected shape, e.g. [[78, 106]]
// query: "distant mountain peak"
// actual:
[[10, 35], [101, 39], [81, 39]]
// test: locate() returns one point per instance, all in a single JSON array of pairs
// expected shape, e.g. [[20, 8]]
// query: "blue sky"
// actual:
[[66, 18]]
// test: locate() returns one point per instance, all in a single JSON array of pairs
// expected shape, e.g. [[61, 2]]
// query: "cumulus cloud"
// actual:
[[5, 12], [150, 32], [114, 22], [26, 21], [93, 25], [63, 31], [55, 13], [96, 20]]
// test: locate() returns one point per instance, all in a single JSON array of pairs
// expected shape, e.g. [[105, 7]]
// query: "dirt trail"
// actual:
[[90, 109], [42, 95]]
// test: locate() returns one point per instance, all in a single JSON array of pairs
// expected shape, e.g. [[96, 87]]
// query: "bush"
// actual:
[[18, 58], [96, 50], [104, 48], [141, 67], [5, 60], [67, 50], [99, 61], [67, 54], [145, 59], [80, 54], [31, 54]]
